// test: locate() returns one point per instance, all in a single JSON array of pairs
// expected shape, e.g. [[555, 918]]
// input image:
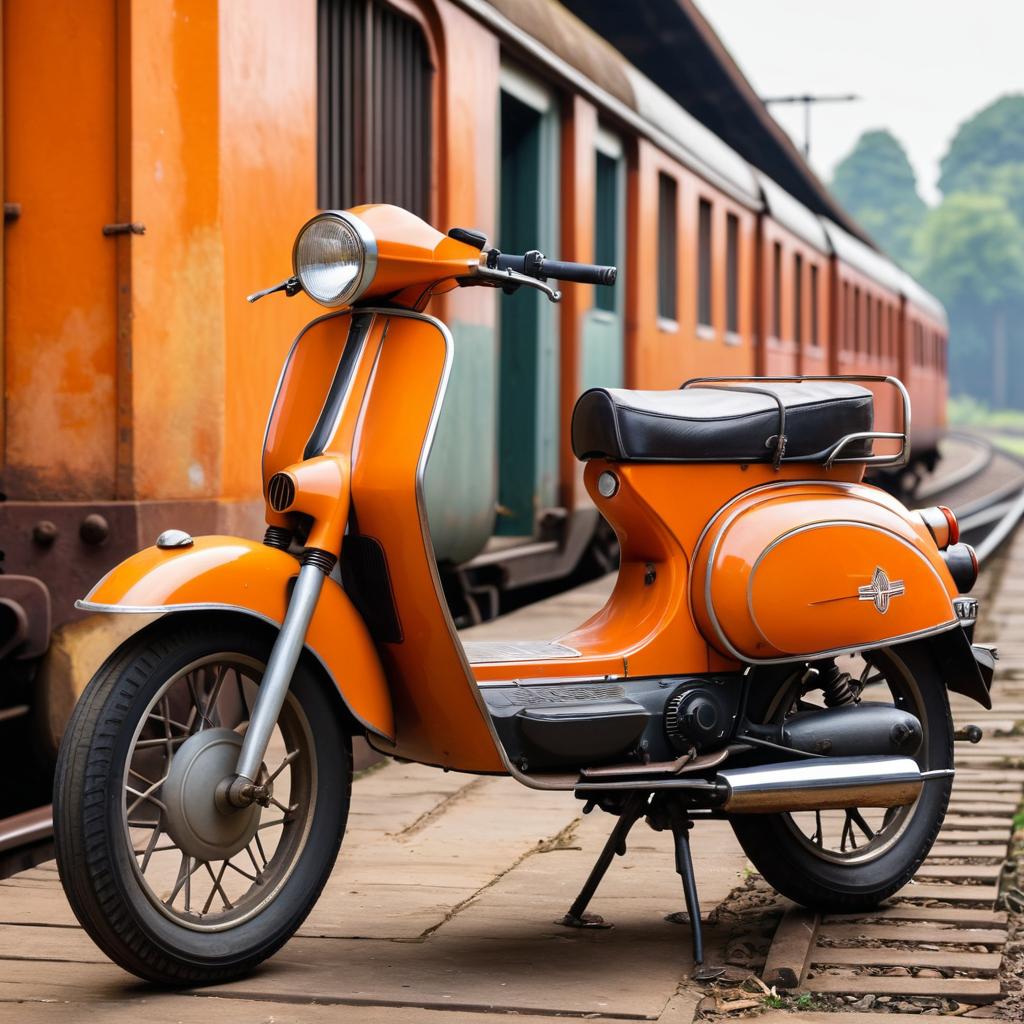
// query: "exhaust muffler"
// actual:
[[822, 784]]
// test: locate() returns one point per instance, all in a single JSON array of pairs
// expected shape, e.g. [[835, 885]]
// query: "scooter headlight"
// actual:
[[335, 258]]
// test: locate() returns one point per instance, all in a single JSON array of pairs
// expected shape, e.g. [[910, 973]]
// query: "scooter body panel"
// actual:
[[812, 569], [230, 573], [440, 717]]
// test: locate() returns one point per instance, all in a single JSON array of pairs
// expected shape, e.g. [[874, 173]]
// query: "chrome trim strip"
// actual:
[[539, 681], [199, 606]]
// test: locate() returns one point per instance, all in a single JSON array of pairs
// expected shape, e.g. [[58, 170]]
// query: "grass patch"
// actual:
[[969, 412], [1009, 442]]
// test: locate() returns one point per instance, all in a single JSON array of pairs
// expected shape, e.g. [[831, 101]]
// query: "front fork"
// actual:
[[244, 788]]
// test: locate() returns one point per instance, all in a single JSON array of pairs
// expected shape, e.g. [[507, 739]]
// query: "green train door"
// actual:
[[528, 425], [602, 357]]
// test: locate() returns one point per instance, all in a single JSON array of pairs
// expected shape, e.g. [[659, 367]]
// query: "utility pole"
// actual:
[[808, 101]]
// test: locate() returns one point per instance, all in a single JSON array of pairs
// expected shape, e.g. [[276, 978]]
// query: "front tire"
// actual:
[[137, 835], [858, 879]]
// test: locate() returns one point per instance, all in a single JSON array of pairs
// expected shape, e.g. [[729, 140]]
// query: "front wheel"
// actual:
[[850, 860], [169, 884]]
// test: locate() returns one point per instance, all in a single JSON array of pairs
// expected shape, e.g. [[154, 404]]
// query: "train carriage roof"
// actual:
[[704, 150], [863, 258], [792, 214], [923, 300], [548, 34]]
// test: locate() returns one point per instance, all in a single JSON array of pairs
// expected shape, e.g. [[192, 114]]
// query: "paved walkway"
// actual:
[[443, 899]]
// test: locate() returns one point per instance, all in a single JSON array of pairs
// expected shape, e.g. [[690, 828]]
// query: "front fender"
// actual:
[[807, 570], [229, 573]]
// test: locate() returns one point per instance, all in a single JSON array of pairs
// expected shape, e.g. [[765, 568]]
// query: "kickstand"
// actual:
[[681, 825], [633, 810]]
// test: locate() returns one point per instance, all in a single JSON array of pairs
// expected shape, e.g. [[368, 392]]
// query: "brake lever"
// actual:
[[290, 286], [510, 281]]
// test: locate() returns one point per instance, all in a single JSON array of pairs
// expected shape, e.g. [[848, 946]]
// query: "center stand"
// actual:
[[663, 812]]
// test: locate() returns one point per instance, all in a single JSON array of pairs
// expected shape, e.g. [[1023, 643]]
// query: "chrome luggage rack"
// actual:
[[830, 455]]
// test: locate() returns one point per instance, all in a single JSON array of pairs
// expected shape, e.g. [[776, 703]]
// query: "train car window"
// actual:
[[815, 329], [858, 342], [732, 272], [668, 248], [606, 225], [704, 264], [777, 290], [869, 334], [878, 328], [847, 317], [798, 299], [892, 331], [374, 102]]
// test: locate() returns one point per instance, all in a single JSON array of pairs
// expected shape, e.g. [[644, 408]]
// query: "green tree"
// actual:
[[983, 147], [971, 251], [876, 185]]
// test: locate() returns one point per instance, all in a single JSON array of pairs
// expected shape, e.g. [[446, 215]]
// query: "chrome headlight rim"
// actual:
[[368, 267]]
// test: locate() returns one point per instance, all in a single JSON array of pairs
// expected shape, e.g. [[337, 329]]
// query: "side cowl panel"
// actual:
[[809, 569], [229, 573]]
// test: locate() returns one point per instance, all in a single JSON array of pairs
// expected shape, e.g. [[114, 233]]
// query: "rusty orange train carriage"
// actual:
[[156, 154]]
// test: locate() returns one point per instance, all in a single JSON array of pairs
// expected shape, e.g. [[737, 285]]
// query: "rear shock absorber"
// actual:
[[837, 686]]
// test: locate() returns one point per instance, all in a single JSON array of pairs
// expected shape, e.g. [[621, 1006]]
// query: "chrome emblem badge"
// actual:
[[881, 590]]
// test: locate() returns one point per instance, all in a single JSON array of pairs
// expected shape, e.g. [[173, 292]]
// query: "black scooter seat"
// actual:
[[720, 424]]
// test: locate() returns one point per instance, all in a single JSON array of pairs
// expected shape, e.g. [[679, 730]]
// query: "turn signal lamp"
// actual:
[[942, 525]]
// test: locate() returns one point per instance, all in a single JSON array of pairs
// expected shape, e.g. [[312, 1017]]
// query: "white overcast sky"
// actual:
[[921, 66]]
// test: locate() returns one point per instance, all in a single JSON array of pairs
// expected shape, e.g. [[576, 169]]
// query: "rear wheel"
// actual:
[[170, 883], [850, 860]]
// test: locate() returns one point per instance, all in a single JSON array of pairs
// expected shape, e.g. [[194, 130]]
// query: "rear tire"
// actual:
[[792, 866], [95, 842]]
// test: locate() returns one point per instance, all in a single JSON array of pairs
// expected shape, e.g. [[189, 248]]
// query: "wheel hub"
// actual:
[[195, 819]]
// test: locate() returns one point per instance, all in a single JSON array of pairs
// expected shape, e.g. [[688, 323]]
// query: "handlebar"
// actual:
[[535, 264]]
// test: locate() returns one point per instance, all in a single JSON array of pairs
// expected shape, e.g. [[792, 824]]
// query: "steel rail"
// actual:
[[969, 471], [1001, 509]]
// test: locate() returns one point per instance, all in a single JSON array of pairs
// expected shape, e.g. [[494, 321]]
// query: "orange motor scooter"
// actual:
[[776, 651]]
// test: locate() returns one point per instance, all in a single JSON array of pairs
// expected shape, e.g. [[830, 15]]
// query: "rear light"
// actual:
[[941, 523], [954, 526], [962, 563]]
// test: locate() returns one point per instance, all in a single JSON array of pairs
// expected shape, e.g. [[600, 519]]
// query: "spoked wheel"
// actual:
[[171, 881], [853, 858]]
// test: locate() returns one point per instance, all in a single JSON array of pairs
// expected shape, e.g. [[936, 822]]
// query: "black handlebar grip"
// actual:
[[582, 273], [539, 266]]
